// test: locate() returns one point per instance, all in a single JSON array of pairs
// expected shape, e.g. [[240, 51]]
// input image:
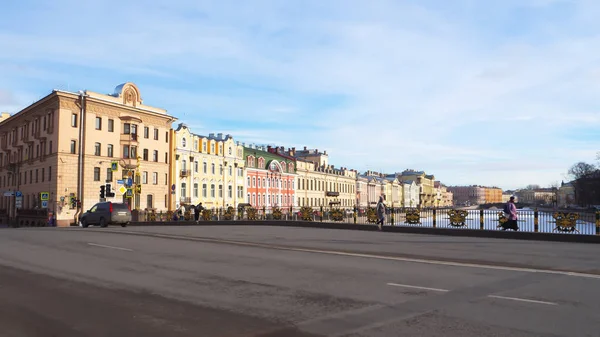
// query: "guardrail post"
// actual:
[[354, 215], [392, 217], [536, 222], [598, 223], [481, 219], [321, 214], [434, 218]]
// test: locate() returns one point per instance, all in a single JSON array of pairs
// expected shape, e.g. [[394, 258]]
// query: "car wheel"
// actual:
[[103, 222], [124, 224], [83, 223]]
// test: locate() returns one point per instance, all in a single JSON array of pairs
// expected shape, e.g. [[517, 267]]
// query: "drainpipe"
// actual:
[[80, 158]]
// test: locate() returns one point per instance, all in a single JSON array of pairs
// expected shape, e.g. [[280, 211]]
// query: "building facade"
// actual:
[[410, 194], [208, 169], [426, 184], [468, 195], [566, 195], [493, 195], [60, 151], [270, 178]]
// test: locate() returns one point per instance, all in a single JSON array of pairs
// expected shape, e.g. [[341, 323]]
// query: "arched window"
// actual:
[[183, 142]]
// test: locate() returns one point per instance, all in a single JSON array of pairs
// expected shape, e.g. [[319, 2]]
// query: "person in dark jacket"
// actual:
[[197, 211]]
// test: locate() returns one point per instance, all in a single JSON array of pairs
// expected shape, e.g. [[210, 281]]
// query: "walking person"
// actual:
[[380, 213], [197, 211], [510, 210]]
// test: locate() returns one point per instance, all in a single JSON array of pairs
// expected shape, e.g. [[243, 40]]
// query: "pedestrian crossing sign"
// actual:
[[114, 166]]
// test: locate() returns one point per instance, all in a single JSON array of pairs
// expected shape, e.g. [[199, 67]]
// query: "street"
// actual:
[[279, 281]]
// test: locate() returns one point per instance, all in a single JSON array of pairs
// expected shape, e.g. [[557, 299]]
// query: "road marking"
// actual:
[[416, 287], [110, 247], [522, 300], [340, 253]]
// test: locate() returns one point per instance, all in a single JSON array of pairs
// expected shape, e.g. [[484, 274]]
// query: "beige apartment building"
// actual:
[[64, 147], [425, 182], [321, 184]]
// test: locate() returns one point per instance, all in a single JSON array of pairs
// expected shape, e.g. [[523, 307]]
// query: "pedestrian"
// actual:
[[380, 212], [197, 211], [510, 210]]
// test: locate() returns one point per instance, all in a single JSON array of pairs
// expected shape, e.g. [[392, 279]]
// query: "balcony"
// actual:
[[38, 135], [185, 173], [128, 163], [129, 138]]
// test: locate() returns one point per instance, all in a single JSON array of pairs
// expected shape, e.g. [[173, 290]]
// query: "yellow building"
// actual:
[[426, 184], [208, 169], [493, 195]]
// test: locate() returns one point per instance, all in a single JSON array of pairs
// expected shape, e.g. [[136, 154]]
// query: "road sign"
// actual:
[[44, 196], [114, 166], [129, 182], [122, 190], [18, 194], [173, 187], [120, 182], [19, 202], [44, 203], [9, 193], [129, 193]]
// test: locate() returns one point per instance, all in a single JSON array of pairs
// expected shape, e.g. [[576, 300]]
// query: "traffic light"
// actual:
[[73, 203], [109, 192], [138, 189], [102, 192]]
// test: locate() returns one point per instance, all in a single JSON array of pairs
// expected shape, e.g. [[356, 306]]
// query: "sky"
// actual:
[[499, 93]]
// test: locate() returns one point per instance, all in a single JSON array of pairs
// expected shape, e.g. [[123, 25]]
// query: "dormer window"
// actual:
[[183, 142]]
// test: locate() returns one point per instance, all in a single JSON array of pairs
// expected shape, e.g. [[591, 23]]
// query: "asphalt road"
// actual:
[[277, 281]]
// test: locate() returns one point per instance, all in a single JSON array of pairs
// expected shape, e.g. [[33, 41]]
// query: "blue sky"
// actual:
[[502, 93]]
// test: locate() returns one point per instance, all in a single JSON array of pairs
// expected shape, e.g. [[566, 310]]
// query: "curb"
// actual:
[[528, 236]]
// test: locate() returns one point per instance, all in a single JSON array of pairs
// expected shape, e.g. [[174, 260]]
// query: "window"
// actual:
[[230, 192], [195, 190], [212, 166], [126, 128], [74, 120], [155, 156], [97, 149], [248, 181], [155, 178], [49, 173], [204, 190], [145, 154], [259, 183], [230, 170], [212, 190], [221, 169], [248, 196], [96, 174], [212, 148], [203, 146], [146, 132], [166, 179], [230, 150], [253, 182], [50, 147], [109, 150], [167, 137], [155, 134], [133, 152], [109, 175], [183, 189], [125, 151], [111, 125], [220, 191], [98, 123], [36, 176], [195, 145], [204, 167], [196, 166], [43, 174], [134, 129], [149, 201], [145, 177], [73, 146], [167, 157]]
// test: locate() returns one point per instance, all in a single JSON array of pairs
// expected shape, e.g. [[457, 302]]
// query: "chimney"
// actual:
[[324, 152], [220, 135], [305, 148], [211, 135]]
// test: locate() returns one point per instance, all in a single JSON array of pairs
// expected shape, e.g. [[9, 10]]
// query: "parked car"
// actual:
[[106, 213]]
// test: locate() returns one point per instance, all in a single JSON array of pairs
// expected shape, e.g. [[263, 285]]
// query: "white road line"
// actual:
[[522, 300], [110, 247], [417, 287], [362, 255]]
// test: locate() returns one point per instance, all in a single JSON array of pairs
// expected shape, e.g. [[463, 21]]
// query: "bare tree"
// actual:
[[532, 187], [581, 169]]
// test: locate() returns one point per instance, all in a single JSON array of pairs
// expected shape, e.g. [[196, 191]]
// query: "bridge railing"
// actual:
[[529, 220]]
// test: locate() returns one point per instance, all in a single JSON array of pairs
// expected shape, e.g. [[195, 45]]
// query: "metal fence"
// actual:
[[529, 220]]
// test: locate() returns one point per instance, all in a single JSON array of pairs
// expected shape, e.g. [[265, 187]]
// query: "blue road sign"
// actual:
[[173, 187], [120, 181], [129, 182], [18, 194]]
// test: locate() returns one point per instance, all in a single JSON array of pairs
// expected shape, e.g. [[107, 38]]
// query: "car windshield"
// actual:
[[120, 206]]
